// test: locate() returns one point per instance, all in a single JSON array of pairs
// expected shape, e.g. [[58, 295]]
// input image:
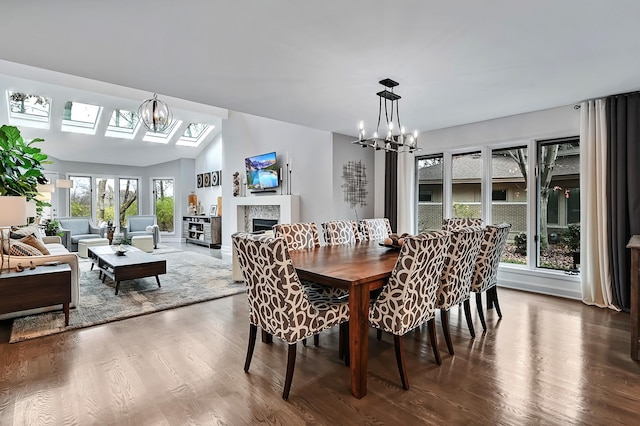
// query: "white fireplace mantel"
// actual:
[[289, 208]]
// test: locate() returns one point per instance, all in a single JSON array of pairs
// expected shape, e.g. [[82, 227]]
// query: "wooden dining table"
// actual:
[[359, 268]]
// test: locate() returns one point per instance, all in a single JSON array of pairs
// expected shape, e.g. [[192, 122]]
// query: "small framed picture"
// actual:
[[206, 179], [199, 180], [213, 210]]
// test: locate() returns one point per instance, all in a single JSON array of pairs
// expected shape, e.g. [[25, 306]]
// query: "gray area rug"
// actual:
[[190, 278]]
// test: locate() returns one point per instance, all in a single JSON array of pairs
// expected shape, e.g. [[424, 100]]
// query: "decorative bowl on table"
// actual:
[[120, 251], [394, 241]]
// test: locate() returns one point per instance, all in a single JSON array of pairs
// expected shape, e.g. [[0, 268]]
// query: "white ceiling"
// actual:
[[318, 64]]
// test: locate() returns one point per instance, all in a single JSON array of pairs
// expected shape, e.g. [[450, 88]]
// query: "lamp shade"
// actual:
[[64, 183], [13, 210], [46, 187], [31, 209]]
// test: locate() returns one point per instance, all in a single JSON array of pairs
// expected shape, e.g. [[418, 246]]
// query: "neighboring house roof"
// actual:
[[504, 167]]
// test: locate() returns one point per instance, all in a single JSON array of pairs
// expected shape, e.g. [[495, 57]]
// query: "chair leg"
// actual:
[[253, 331], [444, 318], [494, 290], [316, 340], [397, 340], [489, 300], [467, 314], [480, 313], [379, 334], [304, 342], [433, 338], [291, 363]]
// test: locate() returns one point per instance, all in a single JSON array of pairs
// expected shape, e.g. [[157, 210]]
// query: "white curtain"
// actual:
[[595, 273], [406, 193]]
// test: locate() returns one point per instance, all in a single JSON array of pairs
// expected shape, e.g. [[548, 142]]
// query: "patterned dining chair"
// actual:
[[455, 281], [375, 229], [455, 223], [409, 298], [277, 302], [340, 232], [485, 275], [300, 236]]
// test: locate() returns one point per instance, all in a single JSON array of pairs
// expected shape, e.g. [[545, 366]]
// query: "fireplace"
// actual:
[[263, 224]]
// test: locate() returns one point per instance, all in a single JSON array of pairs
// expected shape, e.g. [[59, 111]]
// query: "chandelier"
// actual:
[[395, 140], [155, 114]]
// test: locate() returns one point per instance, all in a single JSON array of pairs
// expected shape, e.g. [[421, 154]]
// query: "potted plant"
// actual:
[[51, 227], [21, 165], [572, 239]]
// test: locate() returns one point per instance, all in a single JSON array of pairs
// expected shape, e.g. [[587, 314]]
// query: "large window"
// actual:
[[128, 200], [80, 196], [466, 173], [163, 203], [430, 177], [105, 200], [509, 175], [558, 203]]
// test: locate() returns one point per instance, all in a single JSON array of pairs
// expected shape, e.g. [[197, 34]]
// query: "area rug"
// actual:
[[190, 278]]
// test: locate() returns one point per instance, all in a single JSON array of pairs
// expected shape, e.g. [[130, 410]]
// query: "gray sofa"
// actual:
[[75, 229]]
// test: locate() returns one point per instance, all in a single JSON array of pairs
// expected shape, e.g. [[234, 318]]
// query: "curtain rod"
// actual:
[[577, 106]]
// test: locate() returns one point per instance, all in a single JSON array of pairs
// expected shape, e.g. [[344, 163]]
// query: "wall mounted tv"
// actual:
[[262, 172]]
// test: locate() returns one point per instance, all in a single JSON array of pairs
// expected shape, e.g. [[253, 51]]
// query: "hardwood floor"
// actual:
[[549, 361]]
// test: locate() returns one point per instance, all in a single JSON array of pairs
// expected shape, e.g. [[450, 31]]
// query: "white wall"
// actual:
[[310, 150], [209, 161], [343, 152]]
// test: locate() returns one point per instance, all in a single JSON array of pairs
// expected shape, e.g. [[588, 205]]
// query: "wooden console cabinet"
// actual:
[[36, 288], [634, 245], [203, 230]]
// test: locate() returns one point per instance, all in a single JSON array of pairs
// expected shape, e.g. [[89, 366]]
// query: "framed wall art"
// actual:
[[206, 179], [199, 180]]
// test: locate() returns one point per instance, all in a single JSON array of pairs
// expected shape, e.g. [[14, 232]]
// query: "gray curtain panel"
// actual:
[[391, 188], [623, 181]]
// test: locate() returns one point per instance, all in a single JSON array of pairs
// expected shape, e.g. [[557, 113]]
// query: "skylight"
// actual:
[[123, 124], [28, 110], [194, 134], [80, 118], [164, 136]]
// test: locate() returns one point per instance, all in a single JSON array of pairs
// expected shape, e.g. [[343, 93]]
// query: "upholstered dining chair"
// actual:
[[455, 223], [409, 298], [300, 236], [375, 229], [277, 302], [340, 232], [485, 275], [455, 281]]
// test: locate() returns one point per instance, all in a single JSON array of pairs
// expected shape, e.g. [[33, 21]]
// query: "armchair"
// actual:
[[75, 229], [142, 225]]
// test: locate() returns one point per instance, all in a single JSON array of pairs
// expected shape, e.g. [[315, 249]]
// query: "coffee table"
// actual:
[[133, 264]]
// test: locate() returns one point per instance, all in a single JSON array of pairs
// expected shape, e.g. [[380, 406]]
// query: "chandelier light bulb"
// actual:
[[361, 125], [402, 130], [375, 135], [390, 126]]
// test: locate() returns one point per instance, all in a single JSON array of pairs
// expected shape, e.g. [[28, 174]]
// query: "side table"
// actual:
[[36, 288], [110, 232]]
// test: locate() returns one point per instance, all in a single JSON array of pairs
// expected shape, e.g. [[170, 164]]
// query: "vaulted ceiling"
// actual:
[[318, 64]]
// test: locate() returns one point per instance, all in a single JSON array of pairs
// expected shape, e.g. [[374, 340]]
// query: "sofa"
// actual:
[[75, 229], [57, 252], [142, 225]]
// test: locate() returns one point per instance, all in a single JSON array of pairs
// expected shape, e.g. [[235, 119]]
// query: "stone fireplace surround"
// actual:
[[283, 208]]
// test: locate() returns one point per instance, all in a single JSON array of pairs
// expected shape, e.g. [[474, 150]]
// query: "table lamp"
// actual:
[[13, 211]]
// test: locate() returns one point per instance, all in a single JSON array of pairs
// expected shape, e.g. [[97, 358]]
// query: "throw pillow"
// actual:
[[34, 242], [28, 230], [19, 248]]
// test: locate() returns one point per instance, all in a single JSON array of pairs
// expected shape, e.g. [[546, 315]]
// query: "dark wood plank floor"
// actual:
[[549, 361]]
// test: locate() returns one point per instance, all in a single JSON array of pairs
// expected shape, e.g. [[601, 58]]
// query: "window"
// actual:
[[194, 134], [29, 110], [80, 196], [558, 200], [430, 171], [164, 136], [80, 118], [466, 172], [128, 200], [163, 203], [122, 124], [509, 174], [105, 200]]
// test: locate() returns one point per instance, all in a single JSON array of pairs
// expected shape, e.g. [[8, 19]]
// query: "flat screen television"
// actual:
[[262, 172]]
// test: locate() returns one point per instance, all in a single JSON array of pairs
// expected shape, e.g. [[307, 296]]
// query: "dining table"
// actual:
[[359, 268]]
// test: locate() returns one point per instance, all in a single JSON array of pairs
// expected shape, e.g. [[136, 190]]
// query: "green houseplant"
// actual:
[[21, 165]]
